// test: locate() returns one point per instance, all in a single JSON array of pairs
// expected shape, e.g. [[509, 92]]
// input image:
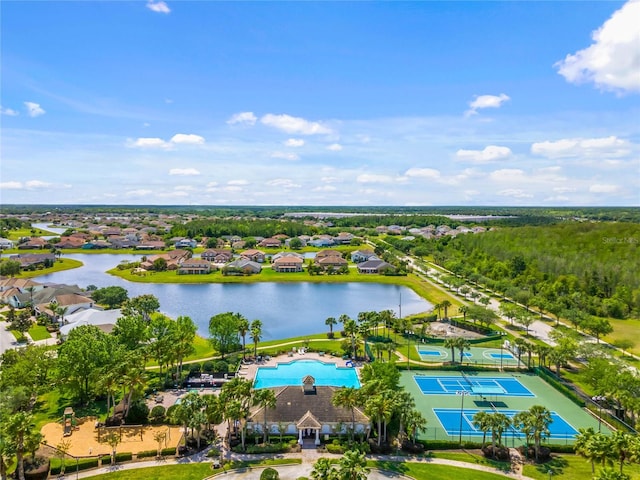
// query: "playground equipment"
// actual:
[[68, 421]]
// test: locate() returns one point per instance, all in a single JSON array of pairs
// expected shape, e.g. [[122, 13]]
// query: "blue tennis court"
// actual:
[[449, 385], [502, 355], [450, 418]]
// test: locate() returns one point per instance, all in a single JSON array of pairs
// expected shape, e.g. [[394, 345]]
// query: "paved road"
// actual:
[[7, 340]]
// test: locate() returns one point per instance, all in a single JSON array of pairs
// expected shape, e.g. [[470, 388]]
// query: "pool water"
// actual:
[[292, 373]]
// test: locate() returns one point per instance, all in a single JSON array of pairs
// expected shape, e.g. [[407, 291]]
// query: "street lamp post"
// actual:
[[462, 393]]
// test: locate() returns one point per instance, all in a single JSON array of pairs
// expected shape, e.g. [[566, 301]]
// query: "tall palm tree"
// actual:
[[330, 322], [482, 421], [415, 423], [621, 446], [265, 398], [184, 334], [348, 397], [134, 381], [256, 335], [323, 470], [445, 306], [438, 308], [351, 328], [462, 344], [243, 328], [538, 421], [499, 423], [582, 445], [463, 309], [451, 342]]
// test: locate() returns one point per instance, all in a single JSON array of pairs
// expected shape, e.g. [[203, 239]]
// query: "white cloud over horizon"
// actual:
[[491, 153], [611, 146], [158, 7], [294, 125], [159, 143], [481, 102], [612, 61], [34, 109]]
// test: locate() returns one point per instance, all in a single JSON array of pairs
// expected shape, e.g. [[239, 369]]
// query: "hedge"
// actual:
[[448, 445], [147, 454], [70, 465], [559, 386], [168, 451]]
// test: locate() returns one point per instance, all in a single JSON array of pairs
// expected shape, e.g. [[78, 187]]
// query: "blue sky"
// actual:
[[320, 103]]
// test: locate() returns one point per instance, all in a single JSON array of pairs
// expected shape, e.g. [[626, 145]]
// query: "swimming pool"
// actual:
[[292, 373]]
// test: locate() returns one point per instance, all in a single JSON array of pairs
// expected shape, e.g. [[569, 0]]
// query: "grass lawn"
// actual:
[[625, 329], [193, 471], [469, 457], [39, 332], [15, 235], [58, 266], [571, 467], [434, 472], [51, 405]]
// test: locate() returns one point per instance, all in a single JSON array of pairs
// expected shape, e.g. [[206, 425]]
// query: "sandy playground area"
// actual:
[[85, 442]]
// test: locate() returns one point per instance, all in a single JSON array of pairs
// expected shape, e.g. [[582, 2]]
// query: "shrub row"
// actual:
[[448, 444], [83, 464], [263, 448], [559, 386]]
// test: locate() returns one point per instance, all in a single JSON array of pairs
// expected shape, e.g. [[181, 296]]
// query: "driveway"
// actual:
[[7, 340]]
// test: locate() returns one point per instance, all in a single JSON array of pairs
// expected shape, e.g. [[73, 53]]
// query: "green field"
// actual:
[[58, 266]]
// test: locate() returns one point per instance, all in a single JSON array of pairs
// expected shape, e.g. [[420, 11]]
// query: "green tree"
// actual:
[[9, 268], [323, 470], [243, 329], [131, 331], [143, 305], [266, 399], [482, 421], [161, 339], [18, 428], [256, 335], [597, 327], [22, 323], [349, 398], [330, 322], [223, 333], [353, 466], [183, 337], [112, 297]]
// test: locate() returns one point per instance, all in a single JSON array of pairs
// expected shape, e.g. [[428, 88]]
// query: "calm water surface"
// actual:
[[285, 309]]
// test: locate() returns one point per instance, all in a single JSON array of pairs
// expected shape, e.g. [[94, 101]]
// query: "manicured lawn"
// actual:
[[51, 405], [39, 332], [15, 235], [58, 266], [624, 329], [468, 457], [18, 336], [571, 467], [434, 472]]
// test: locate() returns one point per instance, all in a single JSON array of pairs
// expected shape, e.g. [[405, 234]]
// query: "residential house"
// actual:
[[30, 261], [321, 241], [308, 412], [105, 320], [270, 243], [359, 256], [217, 255], [96, 245], [194, 266], [253, 255], [173, 258], [70, 242], [343, 238], [330, 259], [18, 292], [151, 245], [287, 263], [34, 243], [374, 266], [73, 302], [5, 243], [186, 243], [244, 265]]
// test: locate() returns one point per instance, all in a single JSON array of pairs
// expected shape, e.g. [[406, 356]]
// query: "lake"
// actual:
[[285, 309]]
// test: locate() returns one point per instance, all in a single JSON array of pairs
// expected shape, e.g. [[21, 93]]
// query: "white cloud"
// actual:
[[331, 179], [507, 175], [515, 193], [573, 147], [297, 125], [334, 147], [11, 186], [282, 183], [429, 173], [374, 178], [491, 153], [35, 184], [486, 101], [325, 188], [245, 118], [10, 112], [238, 182], [294, 142], [184, 171], [138, 193], [212, 184], [187, 138], [34, 109], [612, 61], [292, 157], [159, 7], [148, 142], [603, 188]]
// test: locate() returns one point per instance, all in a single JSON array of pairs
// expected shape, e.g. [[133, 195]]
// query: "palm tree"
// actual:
[[330, 322], [348, 397], [520, 344], [482, 421], [378, 348], [462, 344], [243, 328], [499, 423], [621, 446], [266, 398], [437, 307], [353, 466], [381, 407], [351, 328], [323, 470], [415, 423], [582, 445], [451, 342], [445, 305], [134, 380], [256, 335], [463, 309]]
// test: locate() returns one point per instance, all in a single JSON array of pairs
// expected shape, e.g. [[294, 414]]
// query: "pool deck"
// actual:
[[248, 370]]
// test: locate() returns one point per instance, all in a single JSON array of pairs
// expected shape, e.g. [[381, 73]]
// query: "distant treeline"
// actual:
[[589, 266], [533, 214]]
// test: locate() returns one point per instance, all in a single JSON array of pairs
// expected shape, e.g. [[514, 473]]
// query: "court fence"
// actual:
[[509, 438]]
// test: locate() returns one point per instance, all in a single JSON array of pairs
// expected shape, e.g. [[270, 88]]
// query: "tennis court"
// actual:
[[485, 386], [472, 356], [452, 418]]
